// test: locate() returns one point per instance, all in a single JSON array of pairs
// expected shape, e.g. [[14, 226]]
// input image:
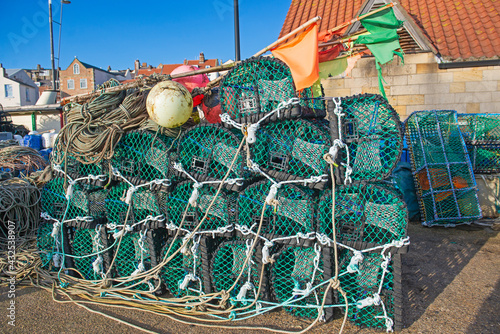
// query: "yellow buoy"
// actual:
[[169, 104]]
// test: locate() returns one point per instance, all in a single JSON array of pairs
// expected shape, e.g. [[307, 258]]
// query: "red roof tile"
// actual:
[[459, 29]]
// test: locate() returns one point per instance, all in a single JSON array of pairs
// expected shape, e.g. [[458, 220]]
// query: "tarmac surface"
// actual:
[[451, 284]]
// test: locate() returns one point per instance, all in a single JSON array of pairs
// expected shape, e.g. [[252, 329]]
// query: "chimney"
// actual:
[[202, 57], [137, 65], [185, 61], [2, 70], [109, 68], [38, 67], [144, 65]]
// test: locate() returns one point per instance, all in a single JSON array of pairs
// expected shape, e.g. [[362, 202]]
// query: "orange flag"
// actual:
[[301, 55]]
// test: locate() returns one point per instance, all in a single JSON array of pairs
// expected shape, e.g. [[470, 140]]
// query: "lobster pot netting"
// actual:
[[371, 129], [292, 150], [206, 152], [182, 274], [295, 271], [46, 244], [441, 167], [75, 169], [293, 213], [145, 206], [228, 262], [134, 254], [256, 86], [219, 215], [85, 201], [88, 246], [481, 133], [143, 156], [364, 213], [366, 281]]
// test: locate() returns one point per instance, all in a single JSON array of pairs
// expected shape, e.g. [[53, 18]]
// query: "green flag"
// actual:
[[332, 67], [383, 40]]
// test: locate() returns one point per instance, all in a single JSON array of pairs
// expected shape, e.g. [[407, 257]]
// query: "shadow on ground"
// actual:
[[437, 255]]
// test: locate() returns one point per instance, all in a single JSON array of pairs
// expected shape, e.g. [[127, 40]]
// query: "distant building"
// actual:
[[201, 62], [18, 89], [42, 78], [80, 78]]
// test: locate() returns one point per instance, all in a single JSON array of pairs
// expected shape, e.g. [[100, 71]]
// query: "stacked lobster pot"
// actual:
[[278, 206], [481, 134], [442, 171]]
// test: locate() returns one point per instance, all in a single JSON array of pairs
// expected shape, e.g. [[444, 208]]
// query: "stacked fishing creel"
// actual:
[[229, 216], [481, 133], [442, 171]]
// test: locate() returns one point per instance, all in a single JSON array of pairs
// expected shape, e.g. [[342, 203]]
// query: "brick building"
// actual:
[[452, 53], [201, 62], [81, 78]]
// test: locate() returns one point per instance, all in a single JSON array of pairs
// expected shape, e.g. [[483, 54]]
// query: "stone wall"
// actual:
[[420, 85]]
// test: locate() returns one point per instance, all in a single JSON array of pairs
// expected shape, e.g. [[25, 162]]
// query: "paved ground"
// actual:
[[451, 284]]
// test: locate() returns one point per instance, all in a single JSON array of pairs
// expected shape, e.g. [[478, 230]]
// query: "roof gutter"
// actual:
[[464, 64]]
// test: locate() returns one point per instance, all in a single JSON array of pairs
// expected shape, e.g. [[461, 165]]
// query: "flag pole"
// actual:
[[284, 38]]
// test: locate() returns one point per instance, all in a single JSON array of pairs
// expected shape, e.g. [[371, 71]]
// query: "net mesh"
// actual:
[[176, 270], [220, 213], [366, 281], [85, 201], [443, 174], [131, 253], [143, 156], [227, 263], [367, 213], [45, 243], [294, 212], [145, 208], [206, 152], [371, 129], [292, 149], [481, 133], [256, 86], [88, 246], [296, 269]]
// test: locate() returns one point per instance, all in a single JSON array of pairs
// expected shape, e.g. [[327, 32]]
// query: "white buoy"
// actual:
[[169, 104]]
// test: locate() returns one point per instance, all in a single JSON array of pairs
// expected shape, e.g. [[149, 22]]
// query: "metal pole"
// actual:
[[52, 47], [236, 31]]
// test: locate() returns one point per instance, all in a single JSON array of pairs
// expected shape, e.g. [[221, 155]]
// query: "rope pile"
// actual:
[[19, 210], [21, 160], [230, 220]]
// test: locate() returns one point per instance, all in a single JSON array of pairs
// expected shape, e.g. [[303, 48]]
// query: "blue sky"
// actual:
[[116, 33]]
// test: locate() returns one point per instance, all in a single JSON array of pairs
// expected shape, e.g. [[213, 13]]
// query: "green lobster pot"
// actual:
[[363, 282], [371, 129], [294, 211], [85, 201], [256, 86], [364, 214], [145, 204], [228, 262], [206, 152], [182, 275], [443, 175], [293, 271], [219, 215], [293, 150], [143, 156]]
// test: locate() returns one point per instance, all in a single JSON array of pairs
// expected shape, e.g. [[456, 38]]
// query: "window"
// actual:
[[83, 83], [76, 69], [8, 91], [28, 95], [71, 84]]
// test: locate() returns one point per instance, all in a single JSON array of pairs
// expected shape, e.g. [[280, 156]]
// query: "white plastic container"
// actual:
[[47, 140]]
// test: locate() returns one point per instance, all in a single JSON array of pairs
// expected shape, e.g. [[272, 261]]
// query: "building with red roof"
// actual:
[[201, 62], [452, 52]]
